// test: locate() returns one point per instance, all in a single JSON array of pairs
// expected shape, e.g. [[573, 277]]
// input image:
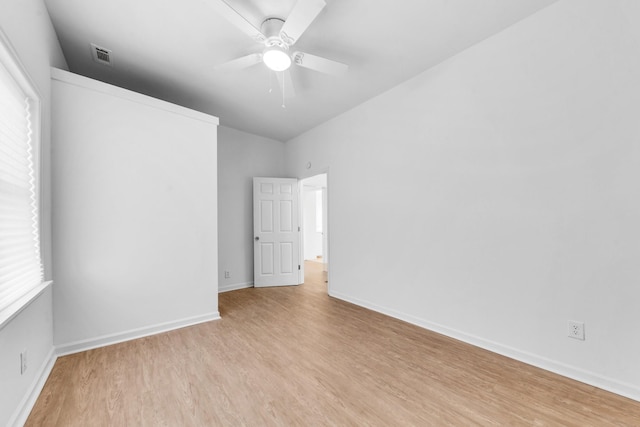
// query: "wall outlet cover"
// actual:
[[576, 330]]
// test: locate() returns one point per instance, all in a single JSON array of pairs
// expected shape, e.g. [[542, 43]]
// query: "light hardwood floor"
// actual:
[[295, 357]]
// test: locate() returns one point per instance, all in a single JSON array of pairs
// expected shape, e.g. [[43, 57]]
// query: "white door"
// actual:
[[275, 232]]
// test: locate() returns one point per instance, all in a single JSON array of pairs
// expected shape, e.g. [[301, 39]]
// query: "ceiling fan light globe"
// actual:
[[276, 59]]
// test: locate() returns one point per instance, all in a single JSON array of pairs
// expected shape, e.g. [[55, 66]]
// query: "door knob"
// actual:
[[257, 238]]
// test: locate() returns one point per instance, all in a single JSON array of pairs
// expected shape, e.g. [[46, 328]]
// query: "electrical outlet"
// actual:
[[23, 361], [227, 274], [576, 330]]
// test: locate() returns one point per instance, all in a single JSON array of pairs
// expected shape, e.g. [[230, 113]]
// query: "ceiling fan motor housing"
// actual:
[[271, 29]]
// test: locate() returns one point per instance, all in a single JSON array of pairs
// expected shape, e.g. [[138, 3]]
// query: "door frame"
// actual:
[[308, 174]]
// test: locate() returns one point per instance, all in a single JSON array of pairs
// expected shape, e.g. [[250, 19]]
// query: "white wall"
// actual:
[[241, 156], [134, 214], [26, 23], [503, 196]]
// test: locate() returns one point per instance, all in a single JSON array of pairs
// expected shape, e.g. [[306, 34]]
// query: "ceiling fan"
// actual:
[[278, 36]]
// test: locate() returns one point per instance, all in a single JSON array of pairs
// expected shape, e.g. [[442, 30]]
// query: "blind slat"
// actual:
[[18, 266], [16, 251], [23, 248], [20, 275], [20, 287], [13, 129]]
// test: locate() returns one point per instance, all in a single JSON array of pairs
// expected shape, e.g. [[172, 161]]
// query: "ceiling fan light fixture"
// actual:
[[276, 58]]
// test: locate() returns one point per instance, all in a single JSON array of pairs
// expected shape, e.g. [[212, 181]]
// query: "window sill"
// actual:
[[8, 313]]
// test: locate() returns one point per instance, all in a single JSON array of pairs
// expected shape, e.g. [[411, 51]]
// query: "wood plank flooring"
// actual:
[[295, 357]]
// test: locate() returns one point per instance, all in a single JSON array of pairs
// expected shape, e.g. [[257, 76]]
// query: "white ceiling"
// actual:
[[168, 49]]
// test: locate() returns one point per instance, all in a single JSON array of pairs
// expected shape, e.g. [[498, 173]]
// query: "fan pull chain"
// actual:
[[270, 81]]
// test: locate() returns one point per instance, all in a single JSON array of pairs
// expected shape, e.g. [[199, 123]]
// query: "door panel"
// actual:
[[276, 239], [266, 188], [266, 216], [286, 257], [286, 216], [266, 263]]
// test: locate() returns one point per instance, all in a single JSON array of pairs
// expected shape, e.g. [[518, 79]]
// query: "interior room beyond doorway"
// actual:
[[315, 221]]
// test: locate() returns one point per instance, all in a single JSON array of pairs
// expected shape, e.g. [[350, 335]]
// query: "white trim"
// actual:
[[29, 400], [105, 340], [13, 309], [235, 287], [138, 98], [609, 384]]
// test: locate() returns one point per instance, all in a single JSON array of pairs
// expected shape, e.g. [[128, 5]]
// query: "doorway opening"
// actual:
[[314, 245]]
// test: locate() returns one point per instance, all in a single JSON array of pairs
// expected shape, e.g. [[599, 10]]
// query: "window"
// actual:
[[20, 265]]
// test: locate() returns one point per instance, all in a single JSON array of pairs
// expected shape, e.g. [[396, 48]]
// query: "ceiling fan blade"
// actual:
[[240, 63], [286, 83], [318, 63], [302, 15], [238, 20]]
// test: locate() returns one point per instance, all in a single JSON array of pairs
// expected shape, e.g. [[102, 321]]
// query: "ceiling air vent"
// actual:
[[101, 55]]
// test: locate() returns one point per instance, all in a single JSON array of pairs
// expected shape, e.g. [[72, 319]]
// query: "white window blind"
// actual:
[[20, 264]]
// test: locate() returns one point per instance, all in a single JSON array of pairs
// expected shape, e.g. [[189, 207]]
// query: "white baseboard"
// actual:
[[29, 400], [591, 378], [105, 340], [235, 287]]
